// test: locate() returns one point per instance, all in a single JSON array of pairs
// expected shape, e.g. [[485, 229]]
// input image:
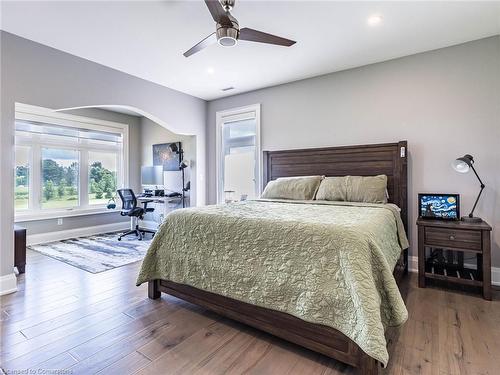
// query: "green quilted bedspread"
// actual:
[[324, 262]]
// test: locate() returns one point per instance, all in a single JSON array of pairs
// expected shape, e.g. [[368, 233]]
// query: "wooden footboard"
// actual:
[[317, 337]]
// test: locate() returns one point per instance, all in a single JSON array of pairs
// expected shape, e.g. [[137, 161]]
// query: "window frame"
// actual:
[[231, 115], [49, 116]]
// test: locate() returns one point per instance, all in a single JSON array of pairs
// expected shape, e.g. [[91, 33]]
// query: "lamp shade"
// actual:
[[184, 164], [174, 147], [463, 164]]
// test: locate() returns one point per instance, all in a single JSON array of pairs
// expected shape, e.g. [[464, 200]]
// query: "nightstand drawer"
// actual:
[[463, 239]]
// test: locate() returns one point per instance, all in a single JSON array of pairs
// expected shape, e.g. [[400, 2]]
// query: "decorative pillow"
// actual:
[[298, 188], [371, 189], [332, 189]]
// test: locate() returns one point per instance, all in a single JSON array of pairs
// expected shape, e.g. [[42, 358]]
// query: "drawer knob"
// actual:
[[452, 237]]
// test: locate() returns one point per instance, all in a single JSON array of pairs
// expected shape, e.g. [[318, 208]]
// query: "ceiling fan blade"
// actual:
[[211, 39], [258, 36], [218, 13]]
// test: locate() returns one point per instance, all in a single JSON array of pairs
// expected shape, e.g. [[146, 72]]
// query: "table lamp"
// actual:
[[464, 165]]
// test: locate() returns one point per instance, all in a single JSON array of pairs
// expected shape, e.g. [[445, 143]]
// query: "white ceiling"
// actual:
[[147, 38]]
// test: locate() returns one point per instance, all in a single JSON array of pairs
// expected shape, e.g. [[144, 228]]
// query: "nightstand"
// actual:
[[441, 249], [19, 248]]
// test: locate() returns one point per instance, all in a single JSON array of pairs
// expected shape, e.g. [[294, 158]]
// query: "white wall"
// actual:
[[152, 133], [445, 103], [39, 75]]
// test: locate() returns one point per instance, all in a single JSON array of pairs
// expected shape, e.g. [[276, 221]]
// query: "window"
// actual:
[[65, 164], [238, 153], [60, 172], [22, 178]]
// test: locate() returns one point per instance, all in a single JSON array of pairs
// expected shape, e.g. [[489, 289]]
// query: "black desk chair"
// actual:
[[129, 208]]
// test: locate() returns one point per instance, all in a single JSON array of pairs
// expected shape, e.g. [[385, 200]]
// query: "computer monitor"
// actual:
[[152, 175]]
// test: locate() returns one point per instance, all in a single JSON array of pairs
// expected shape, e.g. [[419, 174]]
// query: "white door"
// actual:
[[238, 154]]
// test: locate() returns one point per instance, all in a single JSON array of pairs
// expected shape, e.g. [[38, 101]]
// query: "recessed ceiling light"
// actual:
[[374, 20], [210, 70]]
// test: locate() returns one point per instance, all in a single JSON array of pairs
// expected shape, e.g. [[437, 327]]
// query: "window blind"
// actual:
[[43, 129]]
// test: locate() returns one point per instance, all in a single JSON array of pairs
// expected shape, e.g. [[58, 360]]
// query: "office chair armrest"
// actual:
[[145, 203]]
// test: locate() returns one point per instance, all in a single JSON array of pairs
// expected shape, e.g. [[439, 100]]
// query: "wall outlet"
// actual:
[[59, 221]]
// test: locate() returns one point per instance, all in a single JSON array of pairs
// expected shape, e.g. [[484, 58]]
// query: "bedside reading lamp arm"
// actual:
[[480, 191]]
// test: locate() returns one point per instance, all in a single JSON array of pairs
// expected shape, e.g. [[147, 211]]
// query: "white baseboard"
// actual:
[[8, 284], [495, 276], [495, 271], [413, 264], [35, 239]]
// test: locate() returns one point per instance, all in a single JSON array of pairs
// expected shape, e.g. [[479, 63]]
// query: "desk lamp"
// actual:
[[464, 165]]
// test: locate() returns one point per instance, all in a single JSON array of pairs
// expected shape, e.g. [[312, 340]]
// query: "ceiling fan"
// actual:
[[228, 30]]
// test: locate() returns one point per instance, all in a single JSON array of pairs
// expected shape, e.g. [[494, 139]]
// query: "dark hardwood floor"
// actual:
[[66, 318]]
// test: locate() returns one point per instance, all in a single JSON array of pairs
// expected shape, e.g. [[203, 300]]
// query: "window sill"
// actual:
[[31, 216]]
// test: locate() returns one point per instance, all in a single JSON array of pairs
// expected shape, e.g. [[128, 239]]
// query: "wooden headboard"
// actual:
[[364, 160]]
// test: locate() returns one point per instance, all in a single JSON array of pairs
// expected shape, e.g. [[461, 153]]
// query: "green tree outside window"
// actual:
[[48, 190], [61, 188]]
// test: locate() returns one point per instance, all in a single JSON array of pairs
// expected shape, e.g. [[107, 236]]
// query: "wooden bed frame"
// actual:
[[365, 160]]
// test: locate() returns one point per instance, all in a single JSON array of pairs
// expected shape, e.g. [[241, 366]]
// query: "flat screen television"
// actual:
[[439, 206]]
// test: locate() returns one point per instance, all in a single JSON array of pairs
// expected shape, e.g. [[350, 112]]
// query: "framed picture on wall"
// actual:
[[165, 156], [439, 206]]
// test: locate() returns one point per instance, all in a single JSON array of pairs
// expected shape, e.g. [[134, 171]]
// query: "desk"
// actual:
[[162, 206]]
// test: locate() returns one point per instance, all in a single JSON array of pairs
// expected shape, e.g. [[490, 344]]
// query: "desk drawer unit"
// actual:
[[454, 239]]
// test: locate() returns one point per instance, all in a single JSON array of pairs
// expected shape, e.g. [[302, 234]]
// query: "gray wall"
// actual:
[[39, 75], [152, 133], [445, 103], [135, 151]]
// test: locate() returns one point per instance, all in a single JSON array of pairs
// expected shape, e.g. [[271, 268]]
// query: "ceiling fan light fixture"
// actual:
[[228, 32], [227, 41], [227, 36]]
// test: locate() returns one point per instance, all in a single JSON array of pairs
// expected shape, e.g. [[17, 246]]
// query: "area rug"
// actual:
[[96, 253]]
